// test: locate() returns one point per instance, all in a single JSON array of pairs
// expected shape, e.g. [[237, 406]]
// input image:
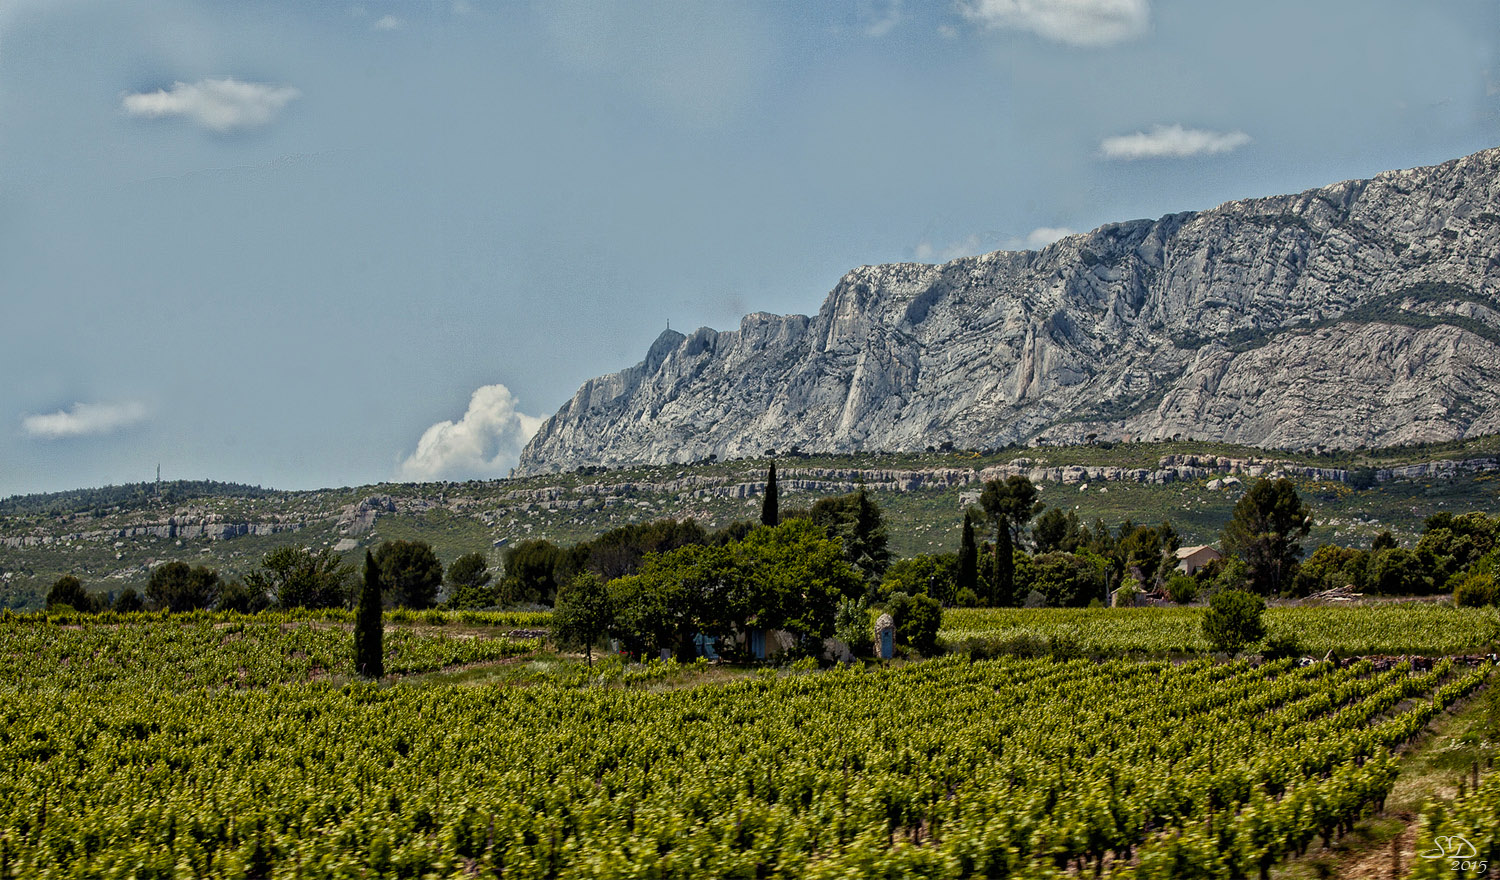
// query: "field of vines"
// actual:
[[1423, 628], [215, 651], [948, 768]]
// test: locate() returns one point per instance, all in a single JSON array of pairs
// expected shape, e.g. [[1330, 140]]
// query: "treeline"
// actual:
[[130, 496], [289, 577], [827, 571]]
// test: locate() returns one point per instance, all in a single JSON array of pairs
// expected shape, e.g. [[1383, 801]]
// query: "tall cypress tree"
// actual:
[[369, 624], [968, 558], [770, 508]]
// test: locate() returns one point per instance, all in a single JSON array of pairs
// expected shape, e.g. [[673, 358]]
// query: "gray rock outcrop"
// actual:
[[1362, 313]]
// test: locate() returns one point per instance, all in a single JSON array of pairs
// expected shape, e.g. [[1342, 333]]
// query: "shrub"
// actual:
[[1181, 588], [967, 598], [851, 625], [1282, 645], [1234, 620], [1476, 590], [917, 620]]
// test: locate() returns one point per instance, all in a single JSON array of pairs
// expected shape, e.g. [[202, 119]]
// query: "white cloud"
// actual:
[[881, 18], [216, 104], [1042, 236], [83, 420], [388, 23], [486, 442], [1171, 142], [1075, 22], [925, 250]]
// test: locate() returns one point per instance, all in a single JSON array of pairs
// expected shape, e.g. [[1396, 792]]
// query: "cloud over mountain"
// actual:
[[484, 443], [1171, 142]]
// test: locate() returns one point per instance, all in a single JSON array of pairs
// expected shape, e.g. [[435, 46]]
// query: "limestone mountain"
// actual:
[[1362, 313]]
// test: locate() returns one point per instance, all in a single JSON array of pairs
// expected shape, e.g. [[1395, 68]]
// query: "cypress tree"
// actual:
[[968, 558], [770, 508], [369, 625]]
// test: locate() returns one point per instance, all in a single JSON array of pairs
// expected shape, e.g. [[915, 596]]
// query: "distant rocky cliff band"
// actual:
[[1365, 313]]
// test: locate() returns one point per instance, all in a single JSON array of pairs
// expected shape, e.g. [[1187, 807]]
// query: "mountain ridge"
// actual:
[[1363, 313]]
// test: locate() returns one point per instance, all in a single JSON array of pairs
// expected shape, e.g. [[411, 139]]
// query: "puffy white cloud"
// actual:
[[84, 419], [1042, 236], [1075, 22], [388, 23], [485, 443], [1171, 142], [216, 104]]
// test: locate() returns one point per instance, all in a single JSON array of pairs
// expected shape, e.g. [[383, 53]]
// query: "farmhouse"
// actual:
[[1190, 559]]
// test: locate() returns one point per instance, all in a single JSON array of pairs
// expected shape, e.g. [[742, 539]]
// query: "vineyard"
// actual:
[[216, 749], [1394, 628]]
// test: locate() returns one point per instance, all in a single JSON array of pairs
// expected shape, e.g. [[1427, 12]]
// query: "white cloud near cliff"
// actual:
[[1171, 142], [83, 420], [388, 23], [218, 105], [485, 443], [1074, 22], [1042, 236], [926, 251]]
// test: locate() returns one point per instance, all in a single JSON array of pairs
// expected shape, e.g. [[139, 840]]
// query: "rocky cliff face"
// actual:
[[1362, 313]]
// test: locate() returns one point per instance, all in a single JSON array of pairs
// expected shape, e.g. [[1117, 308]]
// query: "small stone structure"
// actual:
[[885, 637]]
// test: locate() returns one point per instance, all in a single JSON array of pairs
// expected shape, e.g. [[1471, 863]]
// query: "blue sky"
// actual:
[[307, 244]]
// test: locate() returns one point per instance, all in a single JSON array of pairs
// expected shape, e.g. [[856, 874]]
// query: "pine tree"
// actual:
[[770, 510], [369, 624], [968, 559]]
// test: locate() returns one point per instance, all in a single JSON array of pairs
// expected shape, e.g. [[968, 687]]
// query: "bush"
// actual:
[[129, 601], [967, 598], [1476, 590], [1181, 588], [917, 620], [851, 625], [1281, 645], [1234, 620]]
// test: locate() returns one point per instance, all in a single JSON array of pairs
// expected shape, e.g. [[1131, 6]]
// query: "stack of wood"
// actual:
[[1334, 596]]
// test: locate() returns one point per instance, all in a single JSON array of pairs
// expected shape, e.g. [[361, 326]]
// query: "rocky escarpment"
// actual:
[[1362, 313]]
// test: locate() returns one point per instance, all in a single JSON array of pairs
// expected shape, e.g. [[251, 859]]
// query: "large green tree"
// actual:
[[583, 614], [791, 577], [177, 587], [1010, 504], [298, 577], [410, 572], [926, 574], [531, 569], [1266, 530], [857, 521], [68, 590], [469, 582]]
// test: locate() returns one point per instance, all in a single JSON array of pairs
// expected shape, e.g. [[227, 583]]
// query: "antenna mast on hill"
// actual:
[[158, 479]]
